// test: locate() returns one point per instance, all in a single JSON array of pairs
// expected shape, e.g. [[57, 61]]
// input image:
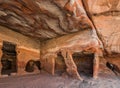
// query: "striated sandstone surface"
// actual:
[[26, 49], [105, 15], [72, 26], [43, 19]]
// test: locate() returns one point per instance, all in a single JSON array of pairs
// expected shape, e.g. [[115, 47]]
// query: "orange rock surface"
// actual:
[[66, 27]]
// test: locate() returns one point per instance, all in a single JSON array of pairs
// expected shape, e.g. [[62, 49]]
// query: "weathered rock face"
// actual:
[[72, 26], [84, 41], [105, 14], [43, 19], [26, 49]]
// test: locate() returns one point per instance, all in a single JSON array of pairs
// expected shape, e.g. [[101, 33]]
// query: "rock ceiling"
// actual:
[[45, 19], [42, 19], [88, 25]]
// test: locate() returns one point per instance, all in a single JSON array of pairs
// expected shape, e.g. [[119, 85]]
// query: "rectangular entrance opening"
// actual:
[[9, 58], [84, 63]]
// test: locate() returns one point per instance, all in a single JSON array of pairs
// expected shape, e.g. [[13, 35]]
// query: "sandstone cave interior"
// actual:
[[59, 43], [83, 61], [9, 60]]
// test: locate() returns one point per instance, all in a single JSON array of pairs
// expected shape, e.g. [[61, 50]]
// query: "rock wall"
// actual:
[[105, 15], [68, 45], [27, 49], [71, 26]]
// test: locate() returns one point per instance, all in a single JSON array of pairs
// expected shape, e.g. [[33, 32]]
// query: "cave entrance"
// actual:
[[9, 58], [84, 63]]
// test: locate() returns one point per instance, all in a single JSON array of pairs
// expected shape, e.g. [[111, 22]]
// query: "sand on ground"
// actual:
[[45, 80]]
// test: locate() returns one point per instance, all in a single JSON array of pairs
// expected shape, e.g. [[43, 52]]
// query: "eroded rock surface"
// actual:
[[105, 15], [43, 19], [89, 26], [68, 45]]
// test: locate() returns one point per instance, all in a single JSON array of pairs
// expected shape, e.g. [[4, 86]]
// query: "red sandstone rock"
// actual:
[[43, 19], [105, 15], [67, 45], [85, 26]]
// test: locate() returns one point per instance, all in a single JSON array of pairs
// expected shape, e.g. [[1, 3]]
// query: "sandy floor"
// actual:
[[45, 80]]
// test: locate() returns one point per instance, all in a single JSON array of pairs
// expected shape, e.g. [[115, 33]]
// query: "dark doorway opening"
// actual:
[[84, 63], [30, 66], [9, 58]]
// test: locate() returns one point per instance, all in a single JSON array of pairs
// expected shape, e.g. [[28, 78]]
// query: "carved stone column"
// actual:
[[48, 63], [70, 64], [18, 58], [95, 66], [0, 56]]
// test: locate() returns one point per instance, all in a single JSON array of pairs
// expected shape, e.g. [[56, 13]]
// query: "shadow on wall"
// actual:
[[30, 66], [113, 68], [84, 63]]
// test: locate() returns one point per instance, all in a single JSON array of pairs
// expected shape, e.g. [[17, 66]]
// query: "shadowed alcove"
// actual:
[[84, 63], [9, 58]]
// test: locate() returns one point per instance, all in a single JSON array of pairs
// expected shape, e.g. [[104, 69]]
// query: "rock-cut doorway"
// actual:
[[9, 58]]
